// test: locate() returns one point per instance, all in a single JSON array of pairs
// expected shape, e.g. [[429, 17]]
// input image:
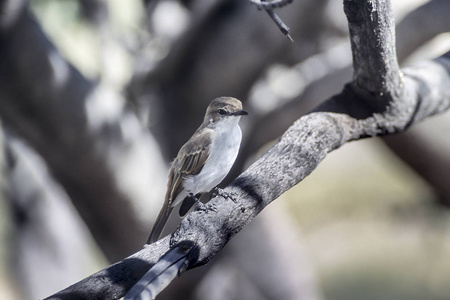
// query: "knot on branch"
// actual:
[[375, 102]]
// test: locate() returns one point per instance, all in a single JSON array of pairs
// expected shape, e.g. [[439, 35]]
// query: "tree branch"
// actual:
[[381, 100], [372, 36]]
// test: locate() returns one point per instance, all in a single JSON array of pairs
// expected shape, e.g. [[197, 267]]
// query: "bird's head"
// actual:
[[224, 107]]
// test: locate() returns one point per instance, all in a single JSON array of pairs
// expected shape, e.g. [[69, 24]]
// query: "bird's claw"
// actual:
[[206, 207], [213, 207], [220, 192], [202, 206]]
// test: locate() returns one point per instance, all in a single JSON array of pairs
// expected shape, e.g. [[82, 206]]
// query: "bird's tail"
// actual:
[[159, 224]]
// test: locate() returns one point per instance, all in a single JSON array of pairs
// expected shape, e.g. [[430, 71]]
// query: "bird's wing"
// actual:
[[195, 152], [190, 160]]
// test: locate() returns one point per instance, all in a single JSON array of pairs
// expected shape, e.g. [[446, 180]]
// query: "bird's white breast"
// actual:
[[224, 150]]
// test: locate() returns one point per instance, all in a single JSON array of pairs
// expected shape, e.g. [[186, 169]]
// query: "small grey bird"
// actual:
[[204, 161]]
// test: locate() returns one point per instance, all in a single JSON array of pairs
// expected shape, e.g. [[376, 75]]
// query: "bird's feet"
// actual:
[[200, 205], [220, 192]]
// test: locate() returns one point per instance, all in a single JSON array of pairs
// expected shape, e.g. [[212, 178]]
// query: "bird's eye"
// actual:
[[222, 111]]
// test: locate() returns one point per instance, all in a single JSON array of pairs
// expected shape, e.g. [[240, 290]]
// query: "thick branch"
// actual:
[[372, 31]]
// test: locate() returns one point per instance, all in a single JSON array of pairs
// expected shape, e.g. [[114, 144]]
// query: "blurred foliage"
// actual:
[[97, 51]]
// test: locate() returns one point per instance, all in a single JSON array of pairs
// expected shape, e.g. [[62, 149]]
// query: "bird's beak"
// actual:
[[241, 113]]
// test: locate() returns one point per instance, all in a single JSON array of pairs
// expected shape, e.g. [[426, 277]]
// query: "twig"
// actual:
[[284, 29], [268, 6]]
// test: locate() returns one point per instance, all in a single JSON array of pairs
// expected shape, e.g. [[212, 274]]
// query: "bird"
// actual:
[[203, 161]]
